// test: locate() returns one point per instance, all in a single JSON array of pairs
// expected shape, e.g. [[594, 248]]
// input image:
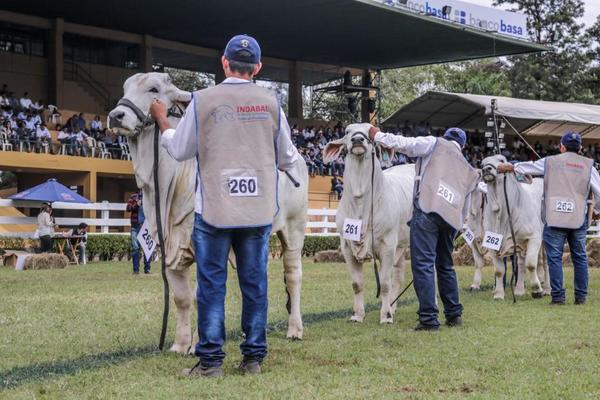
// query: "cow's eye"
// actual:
[[153, 90]]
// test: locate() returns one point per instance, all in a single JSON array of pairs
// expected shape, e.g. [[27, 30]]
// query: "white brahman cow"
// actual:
[[525, 202], [177, 182], [391, 191]]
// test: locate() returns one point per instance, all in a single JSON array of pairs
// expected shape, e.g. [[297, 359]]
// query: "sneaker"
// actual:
[[580, 302], [557, 303], [423, 327], [199, 370], [135, 273], [454, 321], [147, 273], [250, 367]]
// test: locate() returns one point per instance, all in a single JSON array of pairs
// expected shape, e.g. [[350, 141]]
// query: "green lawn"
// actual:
[[91, 332]]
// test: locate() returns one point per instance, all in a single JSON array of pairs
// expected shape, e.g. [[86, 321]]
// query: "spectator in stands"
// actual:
[[43, 137], [38, 105], [30, 125], [73, 123], [135, 207], [81, 121], [25, 136], [14, 102], [81, 139], [66, 138], [95, 127], [78, 242], [337, 186], [25, 102], [4, 90], [46, 226]]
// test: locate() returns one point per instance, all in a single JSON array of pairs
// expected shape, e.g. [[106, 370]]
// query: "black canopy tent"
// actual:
[[363, 34]]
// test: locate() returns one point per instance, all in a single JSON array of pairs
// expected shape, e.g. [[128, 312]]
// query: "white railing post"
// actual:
[[105, 215], [325, 219]]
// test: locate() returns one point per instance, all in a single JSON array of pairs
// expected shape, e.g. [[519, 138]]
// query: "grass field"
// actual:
[[90, 332]]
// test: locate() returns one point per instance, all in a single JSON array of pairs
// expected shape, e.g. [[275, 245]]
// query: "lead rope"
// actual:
[[161, 242], [375, 269], [515, 262]]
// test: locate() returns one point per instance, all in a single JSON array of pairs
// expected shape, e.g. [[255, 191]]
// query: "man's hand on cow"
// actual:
[[158, 112], [373, 131], [505, 168]]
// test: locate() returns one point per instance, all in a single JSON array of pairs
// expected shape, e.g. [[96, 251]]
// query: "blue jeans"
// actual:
[[554, 242], [431, 243], [251, 247], [136, 251]]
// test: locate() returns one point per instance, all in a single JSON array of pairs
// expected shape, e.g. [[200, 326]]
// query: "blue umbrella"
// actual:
[[50, 191]]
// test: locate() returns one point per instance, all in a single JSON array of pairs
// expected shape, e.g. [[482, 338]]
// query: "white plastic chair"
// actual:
[[103, 151], [92, 144]]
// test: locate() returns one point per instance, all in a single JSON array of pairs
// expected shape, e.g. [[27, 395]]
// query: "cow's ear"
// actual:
[[386, 155], [333, 150], [181, 96]]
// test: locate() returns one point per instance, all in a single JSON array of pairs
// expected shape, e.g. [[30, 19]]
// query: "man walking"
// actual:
[[568, 178], [442, 197], [136, 208], [239, 135]]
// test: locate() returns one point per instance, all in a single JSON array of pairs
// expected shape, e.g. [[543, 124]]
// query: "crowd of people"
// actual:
[[22, 125], [311, 140]]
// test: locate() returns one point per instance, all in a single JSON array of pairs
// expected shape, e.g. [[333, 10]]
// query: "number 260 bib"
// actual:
[[243, 186]]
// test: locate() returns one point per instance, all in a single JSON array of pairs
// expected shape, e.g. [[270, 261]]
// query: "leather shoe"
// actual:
[[199, 370], [250, 367], [423, 327], [454, 321]]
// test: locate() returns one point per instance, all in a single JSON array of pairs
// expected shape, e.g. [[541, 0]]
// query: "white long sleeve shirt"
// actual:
[[421, 147], [538, 168], [182, 142]]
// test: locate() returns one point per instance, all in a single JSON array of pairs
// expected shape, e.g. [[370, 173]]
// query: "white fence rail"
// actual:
[[320, 222]]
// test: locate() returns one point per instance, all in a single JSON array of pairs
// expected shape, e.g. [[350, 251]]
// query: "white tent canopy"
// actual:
[[529, 117]]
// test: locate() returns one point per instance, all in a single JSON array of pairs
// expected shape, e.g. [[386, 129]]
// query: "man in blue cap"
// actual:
[[442, 195], [240, 136], [568, 178]]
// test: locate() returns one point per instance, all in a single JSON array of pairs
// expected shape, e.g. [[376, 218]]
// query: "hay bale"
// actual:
[[329, 256], [463, 256], [593, 252], [46, 261]]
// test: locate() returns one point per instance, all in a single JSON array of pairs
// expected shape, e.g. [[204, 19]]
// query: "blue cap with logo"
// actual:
[[243, 48], [456, 134], [571, 140]]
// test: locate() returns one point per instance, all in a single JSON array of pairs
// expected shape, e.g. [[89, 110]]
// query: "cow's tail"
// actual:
[[161, 241]]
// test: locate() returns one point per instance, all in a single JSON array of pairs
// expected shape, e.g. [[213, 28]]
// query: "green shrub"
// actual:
[[314, 244], [106, 247]]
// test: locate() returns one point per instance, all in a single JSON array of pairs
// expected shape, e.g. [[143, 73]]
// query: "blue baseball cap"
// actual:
[[243, 48], [456, 134], [571, 140]]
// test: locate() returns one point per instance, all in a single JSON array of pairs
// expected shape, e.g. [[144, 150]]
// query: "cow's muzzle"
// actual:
[[488, 173]]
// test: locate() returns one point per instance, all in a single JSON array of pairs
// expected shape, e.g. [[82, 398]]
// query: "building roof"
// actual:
[[352, 33], [469, 111]]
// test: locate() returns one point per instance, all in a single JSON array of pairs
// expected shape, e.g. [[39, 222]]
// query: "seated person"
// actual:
[[43, 136], [81, 139], [78, 242], [66, 137]]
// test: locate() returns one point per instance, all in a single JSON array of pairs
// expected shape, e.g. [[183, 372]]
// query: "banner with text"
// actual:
[[486, 18]]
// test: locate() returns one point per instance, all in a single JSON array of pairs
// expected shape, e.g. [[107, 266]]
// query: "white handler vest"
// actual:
[[237, 128], [445, 183], [566, 188]]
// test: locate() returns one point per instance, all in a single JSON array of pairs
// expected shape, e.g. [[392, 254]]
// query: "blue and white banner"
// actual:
[[486, 18]]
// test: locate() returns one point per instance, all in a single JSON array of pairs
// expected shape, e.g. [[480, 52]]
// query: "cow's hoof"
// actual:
[[294, 334], [537, 295], [519, 292], [386, 321], [180, 348], [356, 318], [498, 296], [546, 292], [473, 288]]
